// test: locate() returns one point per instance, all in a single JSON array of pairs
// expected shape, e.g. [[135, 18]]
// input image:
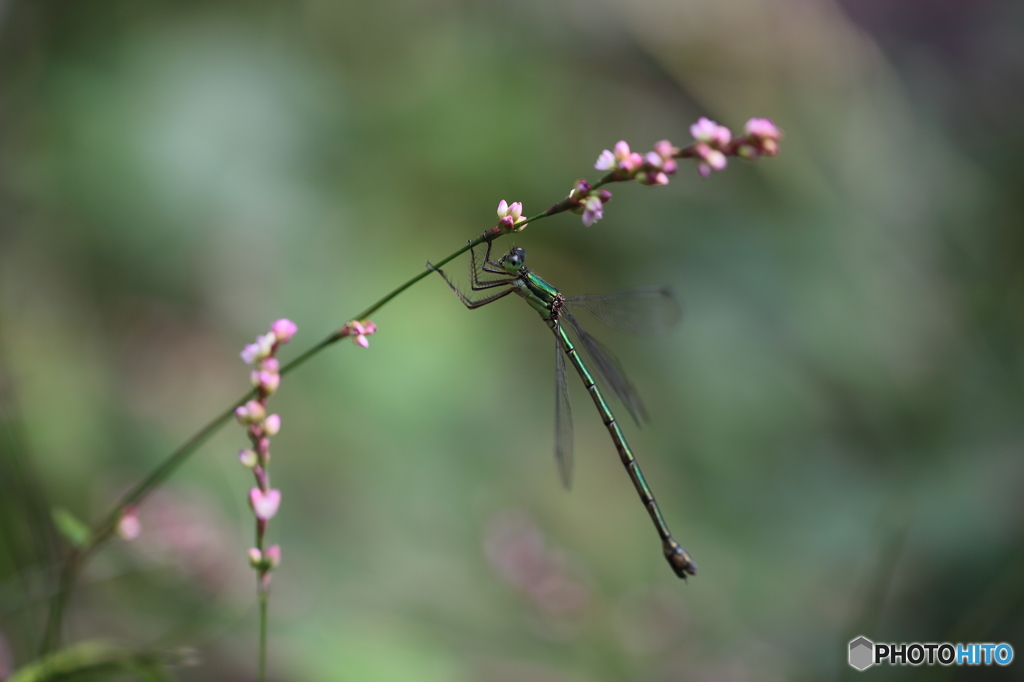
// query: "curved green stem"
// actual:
[[103, 530], [263, 636]]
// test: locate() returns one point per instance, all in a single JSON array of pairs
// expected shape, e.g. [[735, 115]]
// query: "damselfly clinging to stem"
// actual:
[[633, 311]]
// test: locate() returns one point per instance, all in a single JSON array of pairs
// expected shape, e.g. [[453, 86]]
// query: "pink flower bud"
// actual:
[[621, 159], [510, 215], [265, 381], [516, 211], [605, 161], [764, 138], [248, 458], [251, 412], [128, 526], [359, 331], [652, 177], [631, 163], [273, 556], [665, 149], [706, 130], [264, 504], [283, 330], [593, 210], [272, 424], [270, 365], [249, 353], [263, 347], [710, 159], [255, 557], [762, 128]]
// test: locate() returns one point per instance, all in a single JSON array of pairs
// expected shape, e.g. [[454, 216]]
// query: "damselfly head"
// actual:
[[514, 260]]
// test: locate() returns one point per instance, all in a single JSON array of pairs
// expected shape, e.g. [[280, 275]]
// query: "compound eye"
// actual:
[[513, 261], [520, 254]]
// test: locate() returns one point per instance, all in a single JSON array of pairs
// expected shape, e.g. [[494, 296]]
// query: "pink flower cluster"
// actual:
[[358, 330], [712, 141], [588, 202], [762, 139], [712, 144], [510, 217], [263, 500], [653, 168]]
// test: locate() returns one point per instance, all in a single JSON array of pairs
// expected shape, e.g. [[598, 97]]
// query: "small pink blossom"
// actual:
[[284, 330], [259, 350], [652, 177], [580, 189], [763, 137], [656, 169], [250, 413], [762, 128], [593, 210], [128, 526], [265, 381], [249, 353], [707, 131], [270, 365], [268, 559], [264, 504], [620, 159], [359, 330], [272, 424], [605, 161], [665, 149], [710, 159], [248, 458], [511, 215], [663, 157]]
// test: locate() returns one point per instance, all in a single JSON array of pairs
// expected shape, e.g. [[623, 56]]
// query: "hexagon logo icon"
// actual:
[[862, 652]]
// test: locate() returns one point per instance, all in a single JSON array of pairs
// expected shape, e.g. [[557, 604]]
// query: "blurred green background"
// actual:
[[836, 429]]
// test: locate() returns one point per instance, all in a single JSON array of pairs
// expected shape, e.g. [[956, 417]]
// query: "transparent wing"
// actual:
[[608, 368], [563, 418], [637, 311]]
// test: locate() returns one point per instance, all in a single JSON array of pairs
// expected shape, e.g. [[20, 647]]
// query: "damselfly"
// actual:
[[637, 311]]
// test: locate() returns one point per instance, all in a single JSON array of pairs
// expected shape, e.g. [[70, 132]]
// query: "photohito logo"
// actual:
[[864, 653]]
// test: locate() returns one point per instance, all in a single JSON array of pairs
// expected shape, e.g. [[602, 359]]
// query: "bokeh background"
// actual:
[[836, 429]]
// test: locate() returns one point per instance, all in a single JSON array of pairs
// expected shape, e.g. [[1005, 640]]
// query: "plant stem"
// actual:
[[263, 636], [103, 530], [51, 638]]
